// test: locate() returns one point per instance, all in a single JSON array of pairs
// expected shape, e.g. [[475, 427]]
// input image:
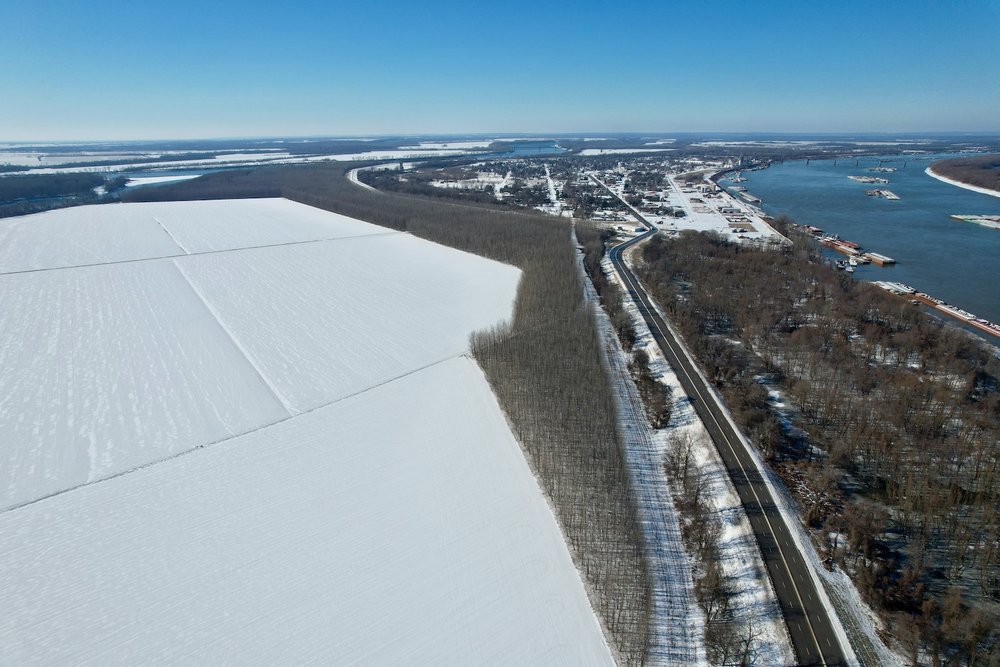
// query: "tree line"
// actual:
[[32, 193], [982, 171]]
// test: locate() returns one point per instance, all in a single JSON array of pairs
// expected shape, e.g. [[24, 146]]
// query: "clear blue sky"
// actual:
[[178, 69]]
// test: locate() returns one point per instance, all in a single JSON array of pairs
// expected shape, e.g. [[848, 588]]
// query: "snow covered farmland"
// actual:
[[249, 431]]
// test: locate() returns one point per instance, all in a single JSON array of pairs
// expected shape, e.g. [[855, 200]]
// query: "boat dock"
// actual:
[[853, 250], [883, 194], [880, 259], [991, 221], [954, 312]]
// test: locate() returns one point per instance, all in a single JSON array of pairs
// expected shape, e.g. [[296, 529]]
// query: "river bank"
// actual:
[[952, 260], [975, 188]]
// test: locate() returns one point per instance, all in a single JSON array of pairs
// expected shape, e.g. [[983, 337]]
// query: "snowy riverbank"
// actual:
[[975, 188]]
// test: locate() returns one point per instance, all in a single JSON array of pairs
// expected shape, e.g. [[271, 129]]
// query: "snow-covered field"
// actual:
[[324, 319], [445, 145], [110, 367], [621, 151], [400, 526], [247, 159], [155, 180], [206, 226], [123, 232], [287, 307], [79, 236], [42, 159], [272, 454]]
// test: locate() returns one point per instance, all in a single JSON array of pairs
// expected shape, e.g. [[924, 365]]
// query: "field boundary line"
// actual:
[[196, 448], [195, 254]]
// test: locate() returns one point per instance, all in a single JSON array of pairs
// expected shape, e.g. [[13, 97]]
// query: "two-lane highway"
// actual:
[[809, 623]]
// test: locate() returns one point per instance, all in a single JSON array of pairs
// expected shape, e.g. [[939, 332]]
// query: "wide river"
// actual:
[[958, 262]]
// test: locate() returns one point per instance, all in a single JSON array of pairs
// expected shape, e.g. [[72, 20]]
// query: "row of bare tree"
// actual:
[[731, 638]]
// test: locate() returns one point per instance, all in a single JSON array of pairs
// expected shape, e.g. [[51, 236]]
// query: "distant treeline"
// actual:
[[32, 193], [32, 186], [294, 146], [982, 171], [419, 183], [545, 367], [894, 449]]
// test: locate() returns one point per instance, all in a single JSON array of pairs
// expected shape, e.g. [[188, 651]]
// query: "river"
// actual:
[[958, 262]]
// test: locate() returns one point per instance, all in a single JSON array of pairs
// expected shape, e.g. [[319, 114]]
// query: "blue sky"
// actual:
[[154, 69]]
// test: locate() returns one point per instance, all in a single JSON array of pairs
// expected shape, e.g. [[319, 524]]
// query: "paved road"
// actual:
[[808, 620]]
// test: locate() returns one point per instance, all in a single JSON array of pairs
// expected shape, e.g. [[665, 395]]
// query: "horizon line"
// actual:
[[512, 135]]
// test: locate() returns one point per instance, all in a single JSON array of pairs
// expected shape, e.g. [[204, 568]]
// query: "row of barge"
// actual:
[[850, 248], [855, 255], [869, 179], [963, 316]]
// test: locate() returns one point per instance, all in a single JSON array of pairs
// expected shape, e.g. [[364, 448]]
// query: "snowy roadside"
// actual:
[[740, 560], [854, 622], [677, 622], [352, 176]]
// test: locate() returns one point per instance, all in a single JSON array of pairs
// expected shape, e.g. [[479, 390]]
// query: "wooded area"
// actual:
[[31, 193], [545, 367], [982, 171], [893, 445]]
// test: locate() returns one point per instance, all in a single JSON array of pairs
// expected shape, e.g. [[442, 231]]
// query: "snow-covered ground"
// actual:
[[123, 232], [110, 367], [231, 160], [482, 180], [113, 366], [323, 319], [279, 454], [446, 145], [400, 526], [154, 180], [621, 151], [555, 206], [42, 159], [206, 226], [394, 154], [140, 162], [80, 235]]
